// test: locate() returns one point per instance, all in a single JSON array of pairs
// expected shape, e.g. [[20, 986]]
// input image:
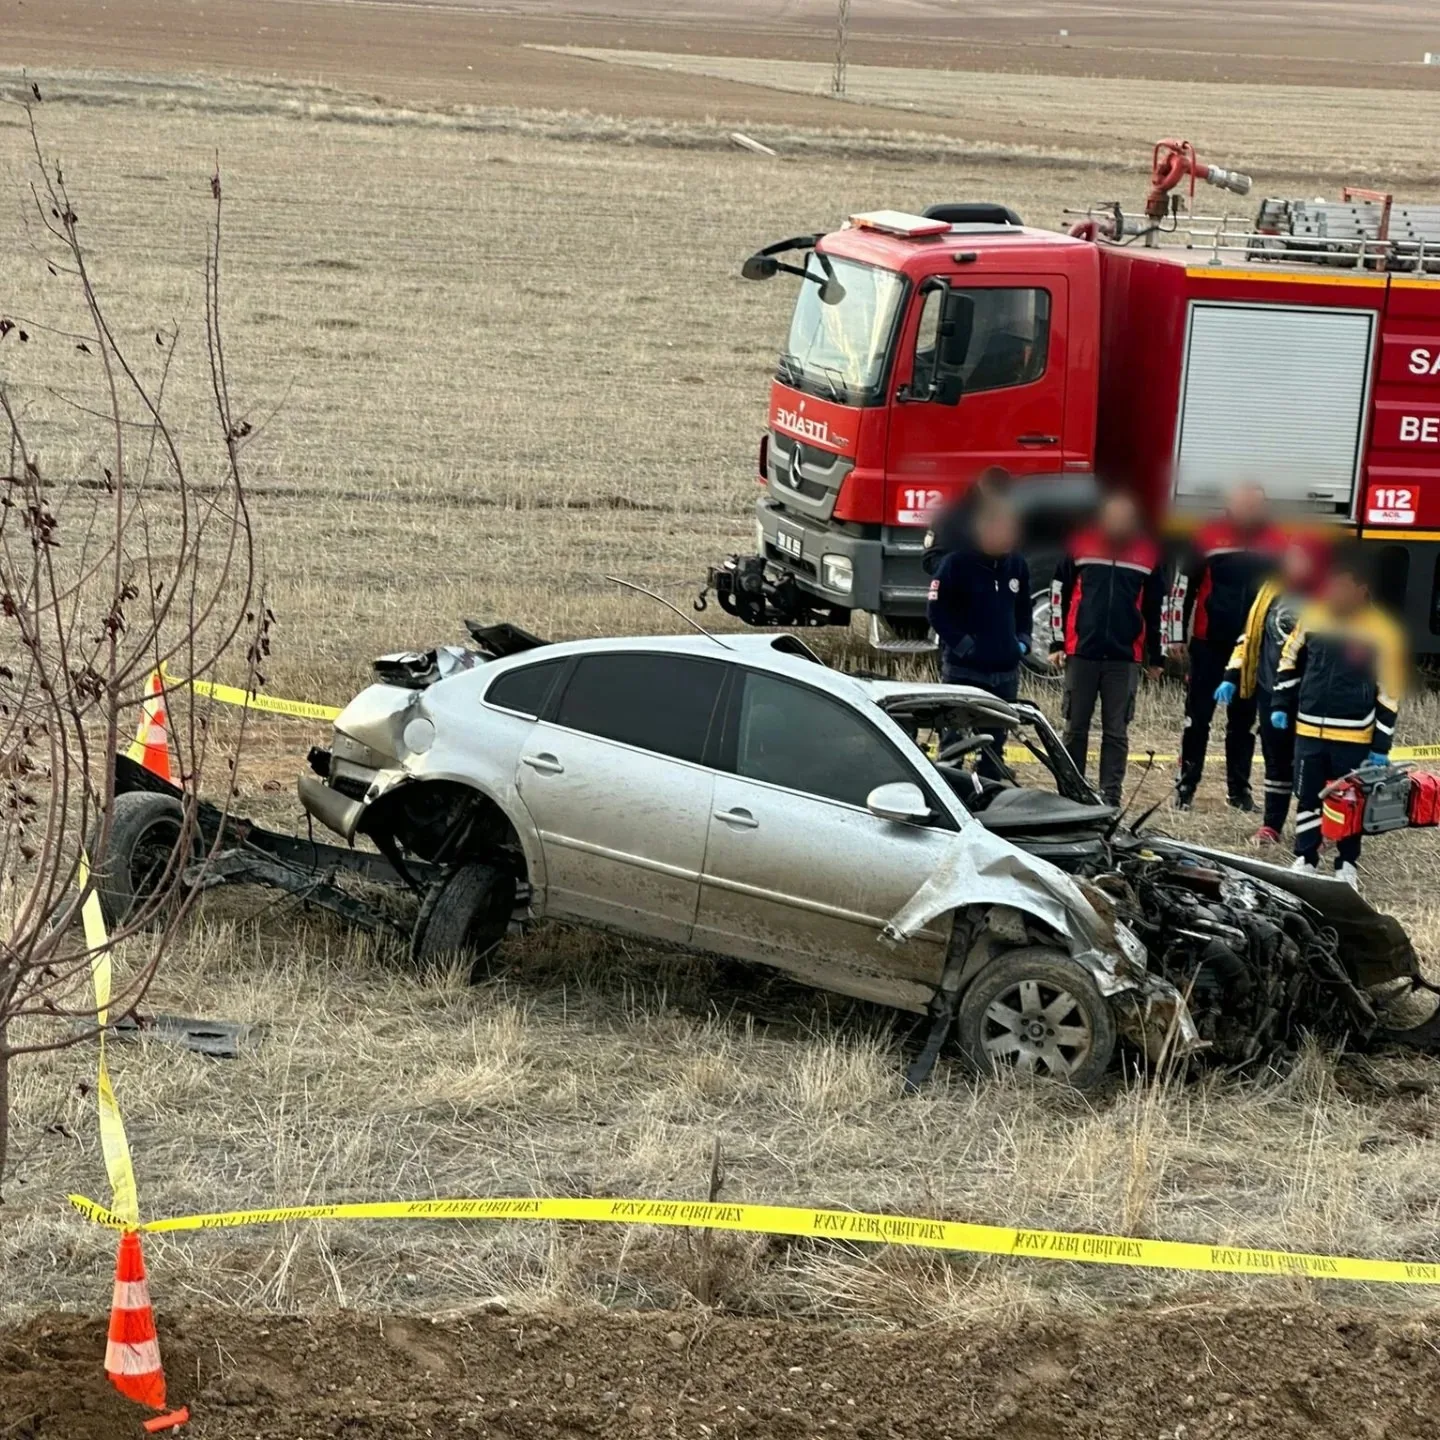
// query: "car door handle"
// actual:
[[545, 763], [1037, 439], [741, 819]]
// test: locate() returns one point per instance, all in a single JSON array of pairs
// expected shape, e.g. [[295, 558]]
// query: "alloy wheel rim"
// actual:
[[1037, 1028]]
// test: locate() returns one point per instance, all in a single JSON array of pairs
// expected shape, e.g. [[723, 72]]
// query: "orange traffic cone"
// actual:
[[132, 1354], [151, 747]]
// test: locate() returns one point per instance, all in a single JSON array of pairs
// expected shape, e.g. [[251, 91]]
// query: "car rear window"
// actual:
[[662, 703], [525, 690]]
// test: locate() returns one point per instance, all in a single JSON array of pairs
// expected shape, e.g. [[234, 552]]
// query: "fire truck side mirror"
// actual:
[[948, 388], [760, 267], [957, 326]]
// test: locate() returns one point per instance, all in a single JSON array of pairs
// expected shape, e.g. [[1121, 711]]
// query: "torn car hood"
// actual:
[[981, 869]]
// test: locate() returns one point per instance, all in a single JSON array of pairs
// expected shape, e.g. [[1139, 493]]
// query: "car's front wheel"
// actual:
[[464, 915], [1038, 1013]]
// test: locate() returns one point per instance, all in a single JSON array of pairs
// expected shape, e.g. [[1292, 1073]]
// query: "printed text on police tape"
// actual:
[[842, 1225]]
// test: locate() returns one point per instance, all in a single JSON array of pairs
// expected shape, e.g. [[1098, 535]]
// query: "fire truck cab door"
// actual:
[[979, 380]]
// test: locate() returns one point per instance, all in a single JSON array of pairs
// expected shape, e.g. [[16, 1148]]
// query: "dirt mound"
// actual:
[[1194, 1372]]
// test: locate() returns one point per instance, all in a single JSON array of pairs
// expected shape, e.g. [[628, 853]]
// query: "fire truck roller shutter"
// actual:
[[1278, 393]]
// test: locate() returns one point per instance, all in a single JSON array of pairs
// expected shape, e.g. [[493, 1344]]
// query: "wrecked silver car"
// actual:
[[738, 797]]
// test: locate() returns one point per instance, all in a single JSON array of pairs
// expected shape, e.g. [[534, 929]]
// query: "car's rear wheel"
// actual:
[[464, 916], [139, 858], [1038, 1013]]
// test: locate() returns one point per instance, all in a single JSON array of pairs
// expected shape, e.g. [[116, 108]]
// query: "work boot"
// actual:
[[1241, 800], [1265, 835], [1306, 862], [1184, 799], [1347, 874]]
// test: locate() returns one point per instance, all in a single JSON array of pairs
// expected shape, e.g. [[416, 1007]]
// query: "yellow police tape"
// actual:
[[312, 710], [250, 700], [842, 1225], [113, 1143]]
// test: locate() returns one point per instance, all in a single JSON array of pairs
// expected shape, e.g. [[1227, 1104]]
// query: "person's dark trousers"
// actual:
[[1114, 684], [1207, 670], [1277, 749], [1003, 684], [1317, 763]]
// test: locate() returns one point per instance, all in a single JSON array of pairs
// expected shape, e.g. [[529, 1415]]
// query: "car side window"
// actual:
[[657, 702], [527, 689], [794, 736]]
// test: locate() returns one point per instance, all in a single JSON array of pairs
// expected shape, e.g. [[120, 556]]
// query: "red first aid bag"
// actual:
[[1424, 799], [1342, 810]]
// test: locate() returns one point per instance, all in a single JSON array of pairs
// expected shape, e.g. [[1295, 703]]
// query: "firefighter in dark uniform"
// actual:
[[1211, 598], [1338, 688], [1105, 607], [1254, 665], [953, 523], [980, 607]]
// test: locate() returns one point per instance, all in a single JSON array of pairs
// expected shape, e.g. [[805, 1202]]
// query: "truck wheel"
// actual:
[[465, 914], [1037, 662], [144, 832], [1038, 1013]]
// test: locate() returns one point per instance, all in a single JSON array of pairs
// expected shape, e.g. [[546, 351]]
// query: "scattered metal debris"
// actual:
[[220, 1039], [754, 146]]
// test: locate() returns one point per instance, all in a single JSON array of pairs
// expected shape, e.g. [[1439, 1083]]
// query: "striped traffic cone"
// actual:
[[151, 747], [132, 1353]]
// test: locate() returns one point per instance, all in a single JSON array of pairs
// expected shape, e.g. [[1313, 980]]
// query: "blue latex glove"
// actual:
[[1279, 720], [1023, 644], [1376, 758], [1224, 692]]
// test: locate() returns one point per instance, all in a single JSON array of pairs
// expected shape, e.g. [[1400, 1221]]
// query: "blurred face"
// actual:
[[1297, 569], [997, 531], [1345, 593], [1119, 519], [1248, 507]]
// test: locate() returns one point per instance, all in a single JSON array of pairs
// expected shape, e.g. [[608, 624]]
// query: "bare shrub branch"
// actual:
[[106, 578]]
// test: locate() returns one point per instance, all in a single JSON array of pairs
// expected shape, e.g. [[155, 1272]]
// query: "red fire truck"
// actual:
[[1164, 352]]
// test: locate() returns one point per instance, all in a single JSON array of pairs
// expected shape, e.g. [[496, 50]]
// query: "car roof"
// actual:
[[783, 653]]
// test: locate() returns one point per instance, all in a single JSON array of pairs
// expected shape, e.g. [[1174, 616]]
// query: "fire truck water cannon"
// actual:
[[1174, 161]]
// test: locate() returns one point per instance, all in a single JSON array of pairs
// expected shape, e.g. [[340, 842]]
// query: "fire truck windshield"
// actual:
[[838, 350]]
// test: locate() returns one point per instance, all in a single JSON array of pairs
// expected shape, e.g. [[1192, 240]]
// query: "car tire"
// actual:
[[1040, 1014], [145, 829], [466, 914], [1423, 1034], [1036, 661]]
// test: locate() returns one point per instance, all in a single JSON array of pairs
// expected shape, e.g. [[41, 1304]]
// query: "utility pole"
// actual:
[[842, 39]]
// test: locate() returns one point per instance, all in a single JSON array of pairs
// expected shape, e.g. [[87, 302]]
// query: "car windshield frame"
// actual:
[[843, 351]]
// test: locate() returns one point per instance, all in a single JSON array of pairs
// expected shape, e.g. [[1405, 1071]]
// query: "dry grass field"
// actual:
[[1324, 132], [502, 355]]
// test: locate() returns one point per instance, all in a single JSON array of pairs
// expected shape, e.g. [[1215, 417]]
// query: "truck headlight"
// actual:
[[837, 572]]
